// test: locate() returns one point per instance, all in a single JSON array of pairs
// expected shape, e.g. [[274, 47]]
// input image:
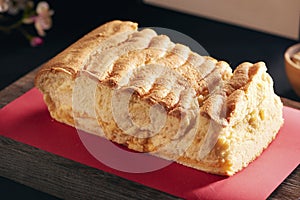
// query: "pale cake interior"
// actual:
[[141, 90]]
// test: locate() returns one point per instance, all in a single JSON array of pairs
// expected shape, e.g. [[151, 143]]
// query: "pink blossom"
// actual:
[[4, 5], [36, 41], [43, 19]]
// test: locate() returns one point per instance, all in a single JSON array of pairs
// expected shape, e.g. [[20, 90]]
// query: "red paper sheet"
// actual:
[[27, 120]]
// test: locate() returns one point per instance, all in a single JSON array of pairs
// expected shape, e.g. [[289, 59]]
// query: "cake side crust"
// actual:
[[171, 104]]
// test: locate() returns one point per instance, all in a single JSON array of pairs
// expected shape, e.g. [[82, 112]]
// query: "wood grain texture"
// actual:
[[67, 179], [64, 178]]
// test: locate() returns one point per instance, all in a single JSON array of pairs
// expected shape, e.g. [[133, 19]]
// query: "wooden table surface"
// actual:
[[16, 159]]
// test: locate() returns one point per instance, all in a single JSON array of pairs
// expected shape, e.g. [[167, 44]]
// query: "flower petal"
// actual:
[[42, 8], [39, 29], [36, 41], [4, 5]]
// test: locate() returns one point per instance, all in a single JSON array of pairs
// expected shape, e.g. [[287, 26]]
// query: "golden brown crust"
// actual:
[[182, 68], [230, 99], [195, 92], [73, 58]]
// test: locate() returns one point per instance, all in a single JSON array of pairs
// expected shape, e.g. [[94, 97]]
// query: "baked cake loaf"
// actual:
[[141, 90]]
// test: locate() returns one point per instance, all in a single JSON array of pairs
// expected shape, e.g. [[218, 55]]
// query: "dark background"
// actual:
[[73, 19]]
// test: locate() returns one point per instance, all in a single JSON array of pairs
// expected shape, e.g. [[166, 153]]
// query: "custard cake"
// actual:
[[140, 89]]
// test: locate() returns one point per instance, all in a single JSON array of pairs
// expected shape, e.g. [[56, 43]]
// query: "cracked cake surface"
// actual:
[[142, 90]]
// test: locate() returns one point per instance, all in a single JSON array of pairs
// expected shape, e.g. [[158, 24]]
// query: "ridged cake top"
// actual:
[[157, 69], [118, 55]]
